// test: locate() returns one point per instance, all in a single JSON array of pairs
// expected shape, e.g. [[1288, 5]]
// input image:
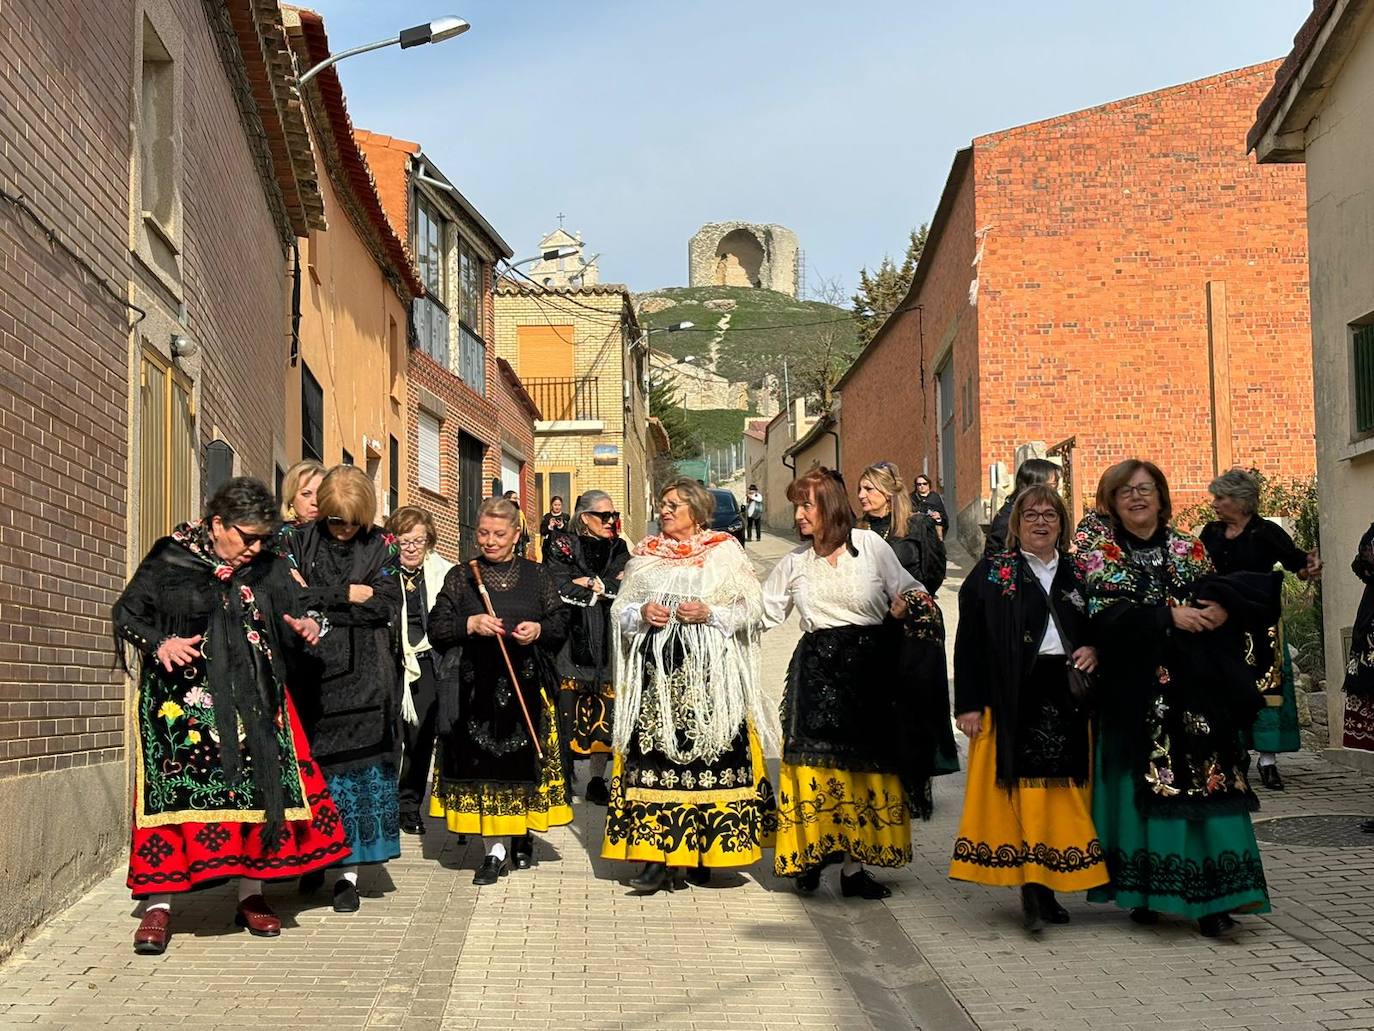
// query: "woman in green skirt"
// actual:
[[1171, 801]]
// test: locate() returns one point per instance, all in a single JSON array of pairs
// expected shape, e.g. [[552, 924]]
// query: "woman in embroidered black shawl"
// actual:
[[586, 566], [492, 781], [1358, 725], [1027, 818], [350, 692], [207, 613], [1171, 801]]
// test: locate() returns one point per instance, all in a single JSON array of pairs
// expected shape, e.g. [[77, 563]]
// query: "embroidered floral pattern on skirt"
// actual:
[[588, 713], [371, 811], [823, 812]]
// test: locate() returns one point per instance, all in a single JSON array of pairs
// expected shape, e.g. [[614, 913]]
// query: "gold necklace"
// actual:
[[411, 579]]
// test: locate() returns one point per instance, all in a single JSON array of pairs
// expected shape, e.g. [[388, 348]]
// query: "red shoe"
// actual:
[[153, 933], [255, 914]]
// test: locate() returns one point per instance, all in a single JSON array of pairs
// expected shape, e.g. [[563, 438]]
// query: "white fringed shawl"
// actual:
[[717, 685]]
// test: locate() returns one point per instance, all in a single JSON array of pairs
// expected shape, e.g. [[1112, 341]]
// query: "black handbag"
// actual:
[[1082, 685]]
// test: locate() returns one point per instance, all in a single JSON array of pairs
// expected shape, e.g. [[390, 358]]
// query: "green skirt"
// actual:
[[1188, 867], [1276, 726]]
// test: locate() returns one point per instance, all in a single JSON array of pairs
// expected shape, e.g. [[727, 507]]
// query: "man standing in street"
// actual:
[[753, 513]]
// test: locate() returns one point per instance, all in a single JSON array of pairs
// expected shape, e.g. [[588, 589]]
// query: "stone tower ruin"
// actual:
[[743, 254]]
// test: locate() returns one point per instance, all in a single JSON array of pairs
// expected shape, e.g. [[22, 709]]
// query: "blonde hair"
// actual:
[[348, 494], [297, 477], [887, 478], [499, 508]]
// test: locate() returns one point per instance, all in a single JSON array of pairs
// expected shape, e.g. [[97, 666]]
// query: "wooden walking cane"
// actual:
[[514, 680]]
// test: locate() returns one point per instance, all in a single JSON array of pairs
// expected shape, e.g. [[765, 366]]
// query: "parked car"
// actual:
[[728, 515]]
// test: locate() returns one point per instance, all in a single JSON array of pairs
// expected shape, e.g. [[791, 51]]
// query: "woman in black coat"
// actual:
[[586, 566], [350, 690], [1027, 818]]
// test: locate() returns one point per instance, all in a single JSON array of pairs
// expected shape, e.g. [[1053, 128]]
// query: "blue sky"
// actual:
[[643, 119]]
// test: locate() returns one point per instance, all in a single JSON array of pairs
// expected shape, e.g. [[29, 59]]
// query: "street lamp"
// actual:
[[435, 31]]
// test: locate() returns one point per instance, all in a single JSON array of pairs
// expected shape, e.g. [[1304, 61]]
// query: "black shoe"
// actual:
[[1367, 826], [310, 882], [1214, 924], [490, 870], [652, 878], [346, 897], [699, 876], [809, 880], [522, 852], [1145, 916], [862, 885], [1050, 908], [1269, 777], [412, 824], [597, 793], [1031, 917]]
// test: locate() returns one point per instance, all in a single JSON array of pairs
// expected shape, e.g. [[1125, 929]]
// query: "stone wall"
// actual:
[[743, 254]]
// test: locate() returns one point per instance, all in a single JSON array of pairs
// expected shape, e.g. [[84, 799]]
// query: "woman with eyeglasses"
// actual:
[[924, 499], [1171, 802], [353, 686], [865, 712], [224, 784], [586, 566], [689, 789], [422, 571], [913, 536], [1023, 621], [502, 770]]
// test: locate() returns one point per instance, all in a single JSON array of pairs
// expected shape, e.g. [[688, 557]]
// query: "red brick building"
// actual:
[[470, 424], [158, 142], [1125, 278]]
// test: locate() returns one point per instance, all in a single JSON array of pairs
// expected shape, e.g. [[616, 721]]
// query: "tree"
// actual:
[[815, 371], [665, 404], [881, 292]]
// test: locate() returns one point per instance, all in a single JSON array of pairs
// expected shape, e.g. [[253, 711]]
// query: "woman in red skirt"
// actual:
[[210, 612]]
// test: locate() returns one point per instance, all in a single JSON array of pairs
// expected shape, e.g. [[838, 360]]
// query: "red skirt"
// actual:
[[183, 856]]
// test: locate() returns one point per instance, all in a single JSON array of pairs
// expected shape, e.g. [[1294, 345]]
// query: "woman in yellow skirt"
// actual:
[[492, 781], [689, 791], [845, 720], [1027, 818]]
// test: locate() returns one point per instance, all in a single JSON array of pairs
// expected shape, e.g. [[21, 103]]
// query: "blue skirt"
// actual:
[[370, 810]]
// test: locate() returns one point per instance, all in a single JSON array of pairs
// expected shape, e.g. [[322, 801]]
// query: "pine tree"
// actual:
[[882, 291]]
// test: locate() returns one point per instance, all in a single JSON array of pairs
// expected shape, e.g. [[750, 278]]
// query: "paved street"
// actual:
[[566, 946]]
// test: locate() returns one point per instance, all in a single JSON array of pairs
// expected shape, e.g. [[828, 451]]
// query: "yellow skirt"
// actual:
[[1030, 835], [693, 829], [823, 811], [493, 812]]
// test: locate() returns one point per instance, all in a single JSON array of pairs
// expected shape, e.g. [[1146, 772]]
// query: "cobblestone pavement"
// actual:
[[565, 945]]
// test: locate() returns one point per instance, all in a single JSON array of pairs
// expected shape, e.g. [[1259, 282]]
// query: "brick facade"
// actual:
[[70, 394], [1137, 283]]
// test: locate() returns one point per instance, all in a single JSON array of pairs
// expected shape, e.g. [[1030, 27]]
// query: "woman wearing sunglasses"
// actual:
[[205, 620], [586, 566], [350, 689]]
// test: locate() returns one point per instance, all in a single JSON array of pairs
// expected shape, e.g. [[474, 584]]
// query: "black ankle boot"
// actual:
[[1050, 908], [1031, 917], [653, 877]]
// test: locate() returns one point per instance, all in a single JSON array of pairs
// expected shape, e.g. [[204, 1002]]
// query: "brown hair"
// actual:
[[1041, 494], [499, 508], [407, 517], [888, 479], [1120, 474], [348, 494], [835, 516], [297, 477], [696, 497]]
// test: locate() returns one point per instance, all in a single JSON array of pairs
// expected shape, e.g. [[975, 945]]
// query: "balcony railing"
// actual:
[[562, 399], [472, 360], [431, 329]]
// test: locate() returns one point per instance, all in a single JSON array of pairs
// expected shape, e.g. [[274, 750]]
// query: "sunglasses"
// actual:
[[249, 539], [605, 517]]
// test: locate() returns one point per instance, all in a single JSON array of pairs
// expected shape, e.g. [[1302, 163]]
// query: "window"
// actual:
[[396, 358], [428, 432], [347, 458], [158, 157], [1363, 343], [393, 489], [166, 448], [472, 360], [312, 416], [430, 229], [470, 276]]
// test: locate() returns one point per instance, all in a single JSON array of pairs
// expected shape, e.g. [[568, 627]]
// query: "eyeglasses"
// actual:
[[411, 543], [1140, 490], [249, 539], [1049, 516], [923, 483], [671, 506], [605, 517], [340, 521]]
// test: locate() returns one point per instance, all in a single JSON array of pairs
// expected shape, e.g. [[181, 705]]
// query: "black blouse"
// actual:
[[1256, 549]]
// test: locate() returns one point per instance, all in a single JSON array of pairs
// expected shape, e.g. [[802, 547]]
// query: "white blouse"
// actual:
[[856, 591], [1044, 571]]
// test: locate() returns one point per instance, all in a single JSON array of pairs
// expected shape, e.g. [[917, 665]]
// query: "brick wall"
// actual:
[[1106, 227]]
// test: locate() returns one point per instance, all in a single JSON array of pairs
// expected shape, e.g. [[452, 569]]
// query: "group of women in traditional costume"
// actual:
[[1132, 784]]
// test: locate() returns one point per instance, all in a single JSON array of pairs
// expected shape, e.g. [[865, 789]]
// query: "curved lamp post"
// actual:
[[435, 31]]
